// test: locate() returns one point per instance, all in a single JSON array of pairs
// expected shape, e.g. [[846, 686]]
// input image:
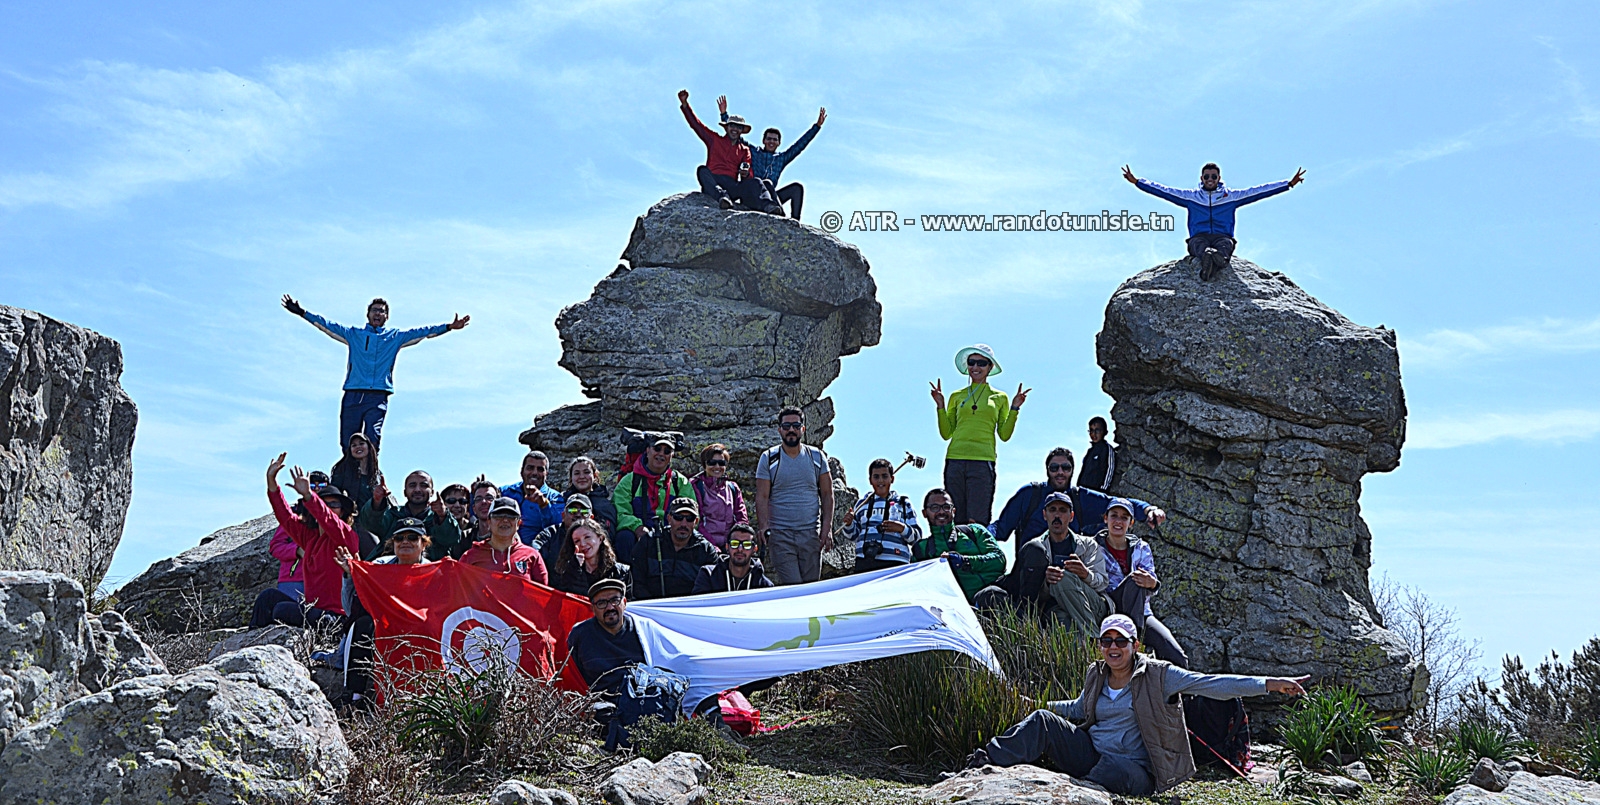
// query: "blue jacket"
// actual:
[[370, 366], [1088, 512], [1211, 211], [770, 165], [536, 518]]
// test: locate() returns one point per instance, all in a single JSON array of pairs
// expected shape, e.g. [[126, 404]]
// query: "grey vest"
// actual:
[[1161, 724]]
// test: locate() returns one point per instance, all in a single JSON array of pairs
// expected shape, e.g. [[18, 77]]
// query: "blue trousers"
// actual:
[[363, 412]]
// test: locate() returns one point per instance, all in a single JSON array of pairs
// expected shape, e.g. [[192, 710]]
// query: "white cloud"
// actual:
[[1554, 427], [1448, 347]]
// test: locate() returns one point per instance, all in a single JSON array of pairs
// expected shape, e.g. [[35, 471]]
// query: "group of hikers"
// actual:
[[655, 532]]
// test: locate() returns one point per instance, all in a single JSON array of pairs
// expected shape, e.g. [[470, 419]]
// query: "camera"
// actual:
[[871, 548]]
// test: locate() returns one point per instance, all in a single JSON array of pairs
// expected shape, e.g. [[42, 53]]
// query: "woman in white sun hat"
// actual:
[[970, 421]]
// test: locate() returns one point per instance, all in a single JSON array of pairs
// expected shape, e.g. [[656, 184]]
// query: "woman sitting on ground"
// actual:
[[583, 478], [721, 501], [1133, 739], [587, 557], [407, 546], [325, 524], [1131, 580]]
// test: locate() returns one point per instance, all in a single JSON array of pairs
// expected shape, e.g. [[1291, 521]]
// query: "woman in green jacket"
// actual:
[[970, 421]]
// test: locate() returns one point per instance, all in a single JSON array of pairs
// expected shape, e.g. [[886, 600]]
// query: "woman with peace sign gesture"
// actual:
[[970, 420]]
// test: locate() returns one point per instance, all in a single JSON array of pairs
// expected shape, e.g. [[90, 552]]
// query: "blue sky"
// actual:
[[167, 171]]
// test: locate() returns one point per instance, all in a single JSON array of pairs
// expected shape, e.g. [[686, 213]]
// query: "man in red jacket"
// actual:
[[726, 175]]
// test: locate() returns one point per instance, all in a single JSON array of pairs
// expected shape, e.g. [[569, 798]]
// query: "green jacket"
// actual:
[[444, 531], [671, 484], [971, 432], [985, 563]]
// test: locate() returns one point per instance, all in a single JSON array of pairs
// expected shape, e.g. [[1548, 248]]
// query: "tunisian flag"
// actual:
[[460, 616]]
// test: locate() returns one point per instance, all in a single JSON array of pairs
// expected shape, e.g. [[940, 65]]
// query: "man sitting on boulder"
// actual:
[[1211, 209], [767, 162], [726, 175], [739, 570], [1061, 573], [667, 564], [1024, 512]]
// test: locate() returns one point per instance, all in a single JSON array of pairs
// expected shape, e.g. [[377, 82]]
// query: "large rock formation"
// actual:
[[209, 586], [53, 651], [66, 447], [1250, 411], [249, 727], [714, 321]]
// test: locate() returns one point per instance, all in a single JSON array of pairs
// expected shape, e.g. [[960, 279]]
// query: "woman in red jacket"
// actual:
[[326, 525]]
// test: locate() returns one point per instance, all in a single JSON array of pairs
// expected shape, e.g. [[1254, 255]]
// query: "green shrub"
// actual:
[[655, 739], [1589, 752], [1433, 769], [1331, 727], [1476, 739], [936, 707]]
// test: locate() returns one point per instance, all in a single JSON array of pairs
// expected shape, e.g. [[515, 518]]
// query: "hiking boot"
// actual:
[[724, 202], [774, 209], [977, 760]]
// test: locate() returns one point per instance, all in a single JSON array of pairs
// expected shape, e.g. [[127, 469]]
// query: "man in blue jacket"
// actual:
[[369, 369], [1211, 209], [1024, 512], [767, 162]]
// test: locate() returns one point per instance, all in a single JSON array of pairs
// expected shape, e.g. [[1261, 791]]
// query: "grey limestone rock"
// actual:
[[714, 321], [211, 585], [249, 727], [1250, 411], [1014, 785], [277, 634], [66, 446], [1528, 789], [678, 779], [1489, 776], [517, 792]]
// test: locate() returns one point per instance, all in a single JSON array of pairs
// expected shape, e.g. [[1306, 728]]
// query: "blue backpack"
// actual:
[[645, 691]]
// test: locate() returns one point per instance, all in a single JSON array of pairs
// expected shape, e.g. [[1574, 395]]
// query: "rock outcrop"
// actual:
[[1014, 785], [66, 447], [212, 585], [250, 727], [679, 779], [713, 322], [1528, 789], [1250, 411], [52, 651]]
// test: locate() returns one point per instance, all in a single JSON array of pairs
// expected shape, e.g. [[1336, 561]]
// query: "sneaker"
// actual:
[[775, 209], [322, 657], [1209, 264], [724, 202], [977, 760]]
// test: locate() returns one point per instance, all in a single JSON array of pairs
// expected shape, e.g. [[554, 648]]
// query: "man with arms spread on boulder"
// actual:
[[1132, 739], [369, 369], [1211, 210], [794, 502], [1024, 512], [767, 162], [726, 175]]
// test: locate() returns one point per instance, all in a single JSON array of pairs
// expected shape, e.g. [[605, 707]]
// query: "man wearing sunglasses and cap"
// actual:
[[739, 570], [1130, 736], [726, 176], [641, 497], [503, 551], [666, 564]]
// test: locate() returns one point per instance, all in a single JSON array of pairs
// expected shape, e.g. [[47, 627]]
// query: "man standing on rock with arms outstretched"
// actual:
[[369, 370], [794, 502], [1211, 209]]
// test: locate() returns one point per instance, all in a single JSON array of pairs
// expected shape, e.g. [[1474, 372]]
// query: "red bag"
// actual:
[[737, 712]]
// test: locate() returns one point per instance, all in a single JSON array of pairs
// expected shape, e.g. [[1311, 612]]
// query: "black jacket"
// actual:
[[1099, 467], [716, 578], [662, 570]]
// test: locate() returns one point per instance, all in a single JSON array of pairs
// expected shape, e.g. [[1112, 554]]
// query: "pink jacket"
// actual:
[[291, 565], [721, 506]]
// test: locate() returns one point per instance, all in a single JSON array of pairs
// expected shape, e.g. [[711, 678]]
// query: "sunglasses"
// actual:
[[607, 603], [976, 362], [791, 426], [456, 501], [1119, 642], [742, 544], [1060, 468], [941, 507], [408, 537], [661, 448], [578, 510], [717, 462], [684, 518]]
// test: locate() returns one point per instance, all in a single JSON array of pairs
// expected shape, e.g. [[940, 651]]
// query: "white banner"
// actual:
[[724, 640]]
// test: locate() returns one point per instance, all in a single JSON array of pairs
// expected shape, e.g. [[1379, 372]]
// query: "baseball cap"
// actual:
[[1120, 623], [685, 505], [1122, 503], [505, 507], [579, 500], [1057, 497], [410, 524]]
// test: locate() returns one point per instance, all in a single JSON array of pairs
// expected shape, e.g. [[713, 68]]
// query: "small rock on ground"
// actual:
[[1488, 776], [517, 792], [1015, 785], [677, 780]]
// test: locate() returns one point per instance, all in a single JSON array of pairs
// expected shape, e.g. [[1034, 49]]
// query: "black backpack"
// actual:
[[645, 691], [1219, 732]]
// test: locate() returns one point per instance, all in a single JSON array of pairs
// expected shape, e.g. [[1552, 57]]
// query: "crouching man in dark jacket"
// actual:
[[740, 570]]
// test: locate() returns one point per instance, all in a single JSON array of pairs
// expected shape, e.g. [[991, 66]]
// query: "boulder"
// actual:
[[517, 792], [1529, 789], [250, 727], [66, 447], [713, 322], [1358, 771], [677, 780], [1488, 775], [116, 653], [1250, 411], [212, 585], [1333, 785], [1014, 785], [275, 635]]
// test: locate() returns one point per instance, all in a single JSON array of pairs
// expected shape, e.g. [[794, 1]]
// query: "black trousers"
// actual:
[[749, 191], [275, 606], [793, 194], [1212, 240], [1130, 599], [971, 487]]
